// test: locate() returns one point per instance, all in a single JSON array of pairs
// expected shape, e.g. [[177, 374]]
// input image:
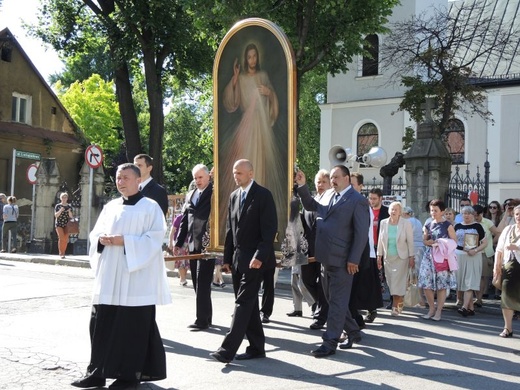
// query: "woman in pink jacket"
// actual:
[[431, 278]]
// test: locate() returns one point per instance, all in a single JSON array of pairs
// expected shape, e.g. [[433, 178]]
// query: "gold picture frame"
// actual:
[[470, 241], [270, 144]]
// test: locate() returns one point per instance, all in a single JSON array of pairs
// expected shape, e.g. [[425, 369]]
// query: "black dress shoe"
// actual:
[[352, 338], [295, 313], [124, 384], [89, 382], [317, 325], [219, 358], [265, 319], [371, 316], [249, 356], [322, 352], [359, 321], [195, 327]]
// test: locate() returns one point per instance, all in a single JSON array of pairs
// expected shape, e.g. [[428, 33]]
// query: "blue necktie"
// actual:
[[242, 200], [334, 200]]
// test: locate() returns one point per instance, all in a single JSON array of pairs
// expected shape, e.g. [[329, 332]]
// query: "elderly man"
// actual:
[[130, 279], [341, 237], [192, 229], [249, 252]]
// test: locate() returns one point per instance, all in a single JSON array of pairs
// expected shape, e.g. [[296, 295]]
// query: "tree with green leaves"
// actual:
[[313, 92], [443, 54], [93, 106], [325, 35], [157, 36]]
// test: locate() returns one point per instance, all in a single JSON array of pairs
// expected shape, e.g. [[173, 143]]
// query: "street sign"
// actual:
[[94, 156], [28, 155], [31, 173]]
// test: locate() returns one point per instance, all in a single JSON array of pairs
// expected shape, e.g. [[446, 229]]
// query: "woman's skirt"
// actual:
[[433, 280], [511, 285], [469, 272], [396, 272]]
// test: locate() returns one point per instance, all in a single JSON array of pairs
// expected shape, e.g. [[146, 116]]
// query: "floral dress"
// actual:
[[428, 277], [184, 249], [62, 220]]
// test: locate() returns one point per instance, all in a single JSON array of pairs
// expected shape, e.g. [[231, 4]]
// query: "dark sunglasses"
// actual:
[[493, 207]]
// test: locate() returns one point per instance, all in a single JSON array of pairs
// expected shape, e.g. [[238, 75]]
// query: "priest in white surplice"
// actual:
[[130, 279]]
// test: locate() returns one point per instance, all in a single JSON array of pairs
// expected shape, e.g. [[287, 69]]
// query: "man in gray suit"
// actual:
[[341, 237]]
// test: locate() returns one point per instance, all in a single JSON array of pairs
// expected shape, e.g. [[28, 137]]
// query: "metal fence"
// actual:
[[398, 188], [462, 185]]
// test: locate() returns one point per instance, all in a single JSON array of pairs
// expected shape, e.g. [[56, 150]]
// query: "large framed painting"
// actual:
[[254, 115]]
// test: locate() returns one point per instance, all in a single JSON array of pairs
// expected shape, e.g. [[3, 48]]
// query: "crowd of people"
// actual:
[[356, 248], [450, 253]]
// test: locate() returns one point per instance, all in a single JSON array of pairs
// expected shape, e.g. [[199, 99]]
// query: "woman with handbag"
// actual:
[[431, 277], [62, 213], [471, 240], [395, 246], [507, 269]]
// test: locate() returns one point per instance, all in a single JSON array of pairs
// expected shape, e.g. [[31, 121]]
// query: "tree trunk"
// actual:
[[128, 113], [154, 92]]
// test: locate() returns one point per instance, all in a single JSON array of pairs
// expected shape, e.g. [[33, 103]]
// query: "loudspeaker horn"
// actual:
[[376, 157], [338, 155]]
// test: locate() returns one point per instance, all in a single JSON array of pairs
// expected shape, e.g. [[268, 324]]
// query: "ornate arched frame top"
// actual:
[[231, 132]]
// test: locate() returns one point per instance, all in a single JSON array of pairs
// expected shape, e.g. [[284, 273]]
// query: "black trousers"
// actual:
[[246, 317], [268, 293], [202, 277]]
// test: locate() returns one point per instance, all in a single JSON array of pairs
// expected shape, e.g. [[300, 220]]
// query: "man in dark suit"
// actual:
[[248, 251], [149, 187], [379, 212], [192, 229], [341, 237], [311, 273]]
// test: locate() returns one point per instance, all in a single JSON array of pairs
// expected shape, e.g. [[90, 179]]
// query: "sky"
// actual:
[[12, 12]]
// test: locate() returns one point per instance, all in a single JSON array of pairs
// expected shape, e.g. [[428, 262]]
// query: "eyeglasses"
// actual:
[[493, 207]]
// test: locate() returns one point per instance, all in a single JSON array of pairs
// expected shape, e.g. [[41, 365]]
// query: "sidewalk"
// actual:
[[491, 306]]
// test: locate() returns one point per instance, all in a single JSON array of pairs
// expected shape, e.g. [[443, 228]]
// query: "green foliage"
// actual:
[[188, 134], [408, 138], [79, 67], [313, 93], [92, 105], [325, 33]]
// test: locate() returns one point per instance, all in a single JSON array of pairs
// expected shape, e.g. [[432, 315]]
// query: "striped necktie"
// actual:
[[242, 200]]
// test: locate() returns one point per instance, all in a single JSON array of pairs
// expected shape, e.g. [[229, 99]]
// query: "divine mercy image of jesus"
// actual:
[[253, 117]]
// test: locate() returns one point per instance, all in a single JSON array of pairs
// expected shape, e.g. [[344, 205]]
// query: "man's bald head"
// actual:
[[243, 163], [243, 172]]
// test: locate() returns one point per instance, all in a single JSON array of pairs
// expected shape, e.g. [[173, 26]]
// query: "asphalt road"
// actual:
[[44, 343]]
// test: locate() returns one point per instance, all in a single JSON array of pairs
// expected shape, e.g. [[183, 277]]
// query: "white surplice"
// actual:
[[133, 274]]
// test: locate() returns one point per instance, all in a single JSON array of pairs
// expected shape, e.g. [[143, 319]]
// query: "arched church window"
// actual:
[[367, 137], [454, 139], [371, 61]]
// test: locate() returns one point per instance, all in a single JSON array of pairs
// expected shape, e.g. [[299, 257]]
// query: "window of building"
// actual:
[[367, 137], [454, 139], [371, 61], [21, 108], [6, 53]]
